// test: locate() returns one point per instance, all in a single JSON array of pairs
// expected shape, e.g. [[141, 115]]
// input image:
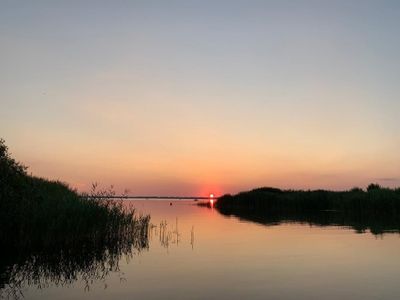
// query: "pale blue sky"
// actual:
[[183, 96]]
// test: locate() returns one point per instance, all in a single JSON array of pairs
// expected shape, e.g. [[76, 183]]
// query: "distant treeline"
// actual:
[[46, 223], [376, 208]]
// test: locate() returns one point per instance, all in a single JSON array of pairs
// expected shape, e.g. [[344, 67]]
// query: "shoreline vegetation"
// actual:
[[376, 209], [50, 233]]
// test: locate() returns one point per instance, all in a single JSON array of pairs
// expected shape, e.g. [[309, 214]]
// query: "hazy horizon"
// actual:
[[199, 97]]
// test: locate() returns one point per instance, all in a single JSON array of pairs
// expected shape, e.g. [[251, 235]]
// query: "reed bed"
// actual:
[[50, 232]]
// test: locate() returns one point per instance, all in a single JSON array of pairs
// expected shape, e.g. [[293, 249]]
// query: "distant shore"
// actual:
[[376, 209]]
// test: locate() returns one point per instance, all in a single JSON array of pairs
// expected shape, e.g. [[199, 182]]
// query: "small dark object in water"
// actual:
[[170, 203]]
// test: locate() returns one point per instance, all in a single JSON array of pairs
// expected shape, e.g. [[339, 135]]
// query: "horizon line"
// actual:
[[153, 197]]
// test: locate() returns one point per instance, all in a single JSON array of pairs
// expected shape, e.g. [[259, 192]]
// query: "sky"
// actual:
[[198, 97]]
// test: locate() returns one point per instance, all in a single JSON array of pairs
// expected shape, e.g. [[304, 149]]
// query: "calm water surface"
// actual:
[[197, 253]]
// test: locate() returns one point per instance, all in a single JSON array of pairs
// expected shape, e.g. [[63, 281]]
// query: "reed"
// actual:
[[48, 223]]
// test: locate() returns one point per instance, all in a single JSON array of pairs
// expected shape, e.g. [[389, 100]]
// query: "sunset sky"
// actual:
[[194, 97]]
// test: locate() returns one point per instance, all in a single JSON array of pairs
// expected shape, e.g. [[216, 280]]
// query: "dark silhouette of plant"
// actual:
[[50, 233], [356, 190], [373, 186], [377, 210], [7, 164]]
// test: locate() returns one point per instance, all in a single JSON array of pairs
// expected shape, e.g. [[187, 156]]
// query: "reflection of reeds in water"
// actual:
[[60, 256], [192, 237], [167, 235], [86, 260], [52, 235]]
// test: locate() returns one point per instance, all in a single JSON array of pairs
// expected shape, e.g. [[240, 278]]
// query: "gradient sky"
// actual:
[[192, 97]]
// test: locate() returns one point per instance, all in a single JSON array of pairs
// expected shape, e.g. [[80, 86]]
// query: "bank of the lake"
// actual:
[[40, 218], [376, 208]]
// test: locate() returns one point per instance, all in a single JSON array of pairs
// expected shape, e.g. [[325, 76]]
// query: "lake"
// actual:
[[197, 253]]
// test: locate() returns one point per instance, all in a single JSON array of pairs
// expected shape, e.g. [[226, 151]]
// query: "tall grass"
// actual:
[[49, 231]]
